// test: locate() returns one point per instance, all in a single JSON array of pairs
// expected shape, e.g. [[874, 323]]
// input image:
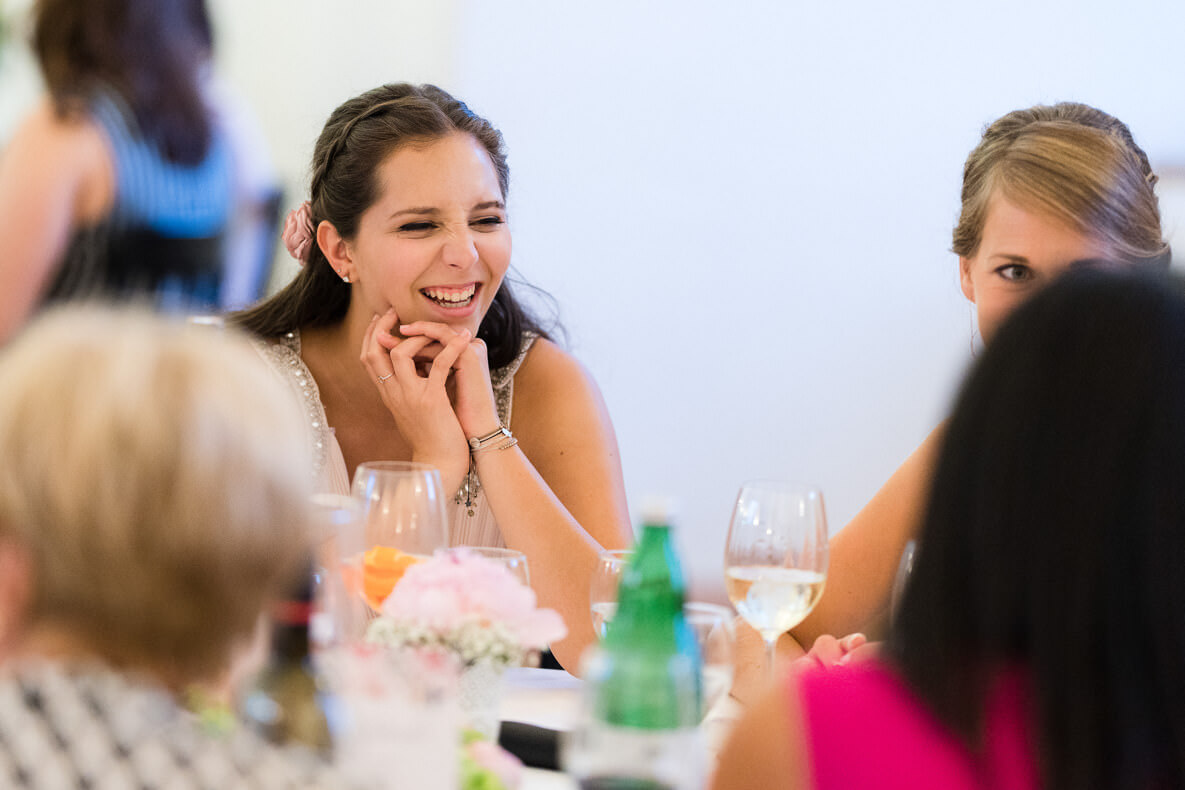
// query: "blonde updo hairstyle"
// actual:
[[1071, 162], [156, 475]]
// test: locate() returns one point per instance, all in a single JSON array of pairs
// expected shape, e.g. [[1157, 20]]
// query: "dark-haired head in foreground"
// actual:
[[1055, 535]]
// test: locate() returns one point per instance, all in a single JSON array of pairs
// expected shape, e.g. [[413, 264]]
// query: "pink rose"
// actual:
[[453, 587], [298, 232]]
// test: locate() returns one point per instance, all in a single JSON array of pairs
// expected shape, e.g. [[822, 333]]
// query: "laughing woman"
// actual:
[[407, 343]]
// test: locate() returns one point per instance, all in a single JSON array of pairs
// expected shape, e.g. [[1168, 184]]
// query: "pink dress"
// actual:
[[864, 728]]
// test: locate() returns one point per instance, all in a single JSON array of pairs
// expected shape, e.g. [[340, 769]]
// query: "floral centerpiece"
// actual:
[[471, 608], [468, 606]]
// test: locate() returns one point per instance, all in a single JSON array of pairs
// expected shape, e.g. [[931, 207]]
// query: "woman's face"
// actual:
[[435, 244], [1020, 252]]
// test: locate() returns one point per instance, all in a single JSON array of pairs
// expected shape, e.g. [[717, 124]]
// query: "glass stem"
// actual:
[[771, 656]]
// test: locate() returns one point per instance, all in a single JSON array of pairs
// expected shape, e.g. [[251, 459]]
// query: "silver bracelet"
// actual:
[[501, 439]]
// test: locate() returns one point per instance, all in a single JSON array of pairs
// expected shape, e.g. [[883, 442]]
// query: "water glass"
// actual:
[[393, 716], [904, 569], [513, 560], [602, 594], [715, 633], [339, 611]]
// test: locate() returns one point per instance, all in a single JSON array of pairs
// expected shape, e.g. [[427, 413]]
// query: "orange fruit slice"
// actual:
[[382, 568]]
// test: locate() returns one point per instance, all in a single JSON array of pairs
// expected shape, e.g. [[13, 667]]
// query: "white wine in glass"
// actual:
[[775, 559]]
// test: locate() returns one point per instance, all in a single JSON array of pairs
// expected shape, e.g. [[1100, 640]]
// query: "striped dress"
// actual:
[[162, 241]]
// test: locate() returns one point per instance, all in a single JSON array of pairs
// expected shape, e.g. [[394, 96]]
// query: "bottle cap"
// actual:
[[658, 510]]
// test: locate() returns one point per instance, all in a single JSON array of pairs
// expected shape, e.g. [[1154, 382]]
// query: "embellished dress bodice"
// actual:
[[471, 522]]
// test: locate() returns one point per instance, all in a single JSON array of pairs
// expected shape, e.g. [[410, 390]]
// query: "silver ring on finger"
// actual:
[[383, 379]]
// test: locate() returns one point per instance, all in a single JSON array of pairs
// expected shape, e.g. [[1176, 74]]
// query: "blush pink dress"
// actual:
[[865, 729], [471, 521]]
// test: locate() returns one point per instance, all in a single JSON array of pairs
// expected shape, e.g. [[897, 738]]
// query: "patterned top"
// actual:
[[471, 522], [163, 237], [91, 727]]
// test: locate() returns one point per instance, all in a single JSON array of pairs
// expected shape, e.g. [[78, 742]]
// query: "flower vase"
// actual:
[[479, 692]]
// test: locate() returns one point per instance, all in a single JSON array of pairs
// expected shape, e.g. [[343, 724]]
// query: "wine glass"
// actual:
[[715, 633], [514, 560], [775, 558], [338, 608], [403, 518], [904, 569], [602, 593]]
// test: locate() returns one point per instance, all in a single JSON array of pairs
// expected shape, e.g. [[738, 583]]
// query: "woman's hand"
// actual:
[[473, 395], [752, 674], [831, 652], [419, 401]]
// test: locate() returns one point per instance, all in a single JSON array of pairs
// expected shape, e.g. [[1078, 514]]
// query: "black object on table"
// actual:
[[538, 747]]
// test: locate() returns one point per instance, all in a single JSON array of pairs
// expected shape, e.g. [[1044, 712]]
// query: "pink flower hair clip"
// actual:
[[298, 232]]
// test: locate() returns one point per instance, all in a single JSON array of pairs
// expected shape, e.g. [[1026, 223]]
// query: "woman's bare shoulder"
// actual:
[[66, 149], [46, 126], [551, 377]]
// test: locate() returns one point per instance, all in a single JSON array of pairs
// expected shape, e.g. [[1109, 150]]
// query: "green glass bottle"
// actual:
[[643, 684], [285, 704]]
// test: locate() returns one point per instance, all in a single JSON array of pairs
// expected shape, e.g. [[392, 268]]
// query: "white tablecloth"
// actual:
[[546, 698]]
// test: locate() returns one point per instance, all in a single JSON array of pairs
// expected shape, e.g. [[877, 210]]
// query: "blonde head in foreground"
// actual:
[[153, 484]]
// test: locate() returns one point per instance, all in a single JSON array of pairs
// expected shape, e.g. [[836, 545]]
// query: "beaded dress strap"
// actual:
[[284, 353]]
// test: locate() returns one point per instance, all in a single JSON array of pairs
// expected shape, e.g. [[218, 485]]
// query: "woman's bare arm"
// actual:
[[865, 554], [767, 748], [54, 173], [559, 496]]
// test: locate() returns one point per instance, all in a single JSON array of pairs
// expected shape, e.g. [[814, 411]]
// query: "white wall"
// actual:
[[743, 208]]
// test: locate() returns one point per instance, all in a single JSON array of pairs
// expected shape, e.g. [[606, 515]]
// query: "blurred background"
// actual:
[[742, 210]]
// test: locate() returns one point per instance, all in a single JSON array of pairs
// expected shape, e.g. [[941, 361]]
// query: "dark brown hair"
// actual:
[[150, 52], [356, 140], [1073, 162]]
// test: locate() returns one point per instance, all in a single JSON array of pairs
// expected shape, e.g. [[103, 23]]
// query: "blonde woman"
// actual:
[[1047, 189], [153, 481], [1040, 641]]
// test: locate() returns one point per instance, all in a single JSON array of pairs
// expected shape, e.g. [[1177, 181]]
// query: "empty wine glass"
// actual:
[[715, 633], [339, 613], [904, 569], [775, 557], [403, 516], [602, 594], [514, 560]]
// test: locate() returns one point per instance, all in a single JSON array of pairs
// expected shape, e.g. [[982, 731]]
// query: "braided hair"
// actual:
[[1075, 163], [358, 137]]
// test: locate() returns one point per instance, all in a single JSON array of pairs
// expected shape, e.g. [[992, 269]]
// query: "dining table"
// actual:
[[547, 698], [550, 699]]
